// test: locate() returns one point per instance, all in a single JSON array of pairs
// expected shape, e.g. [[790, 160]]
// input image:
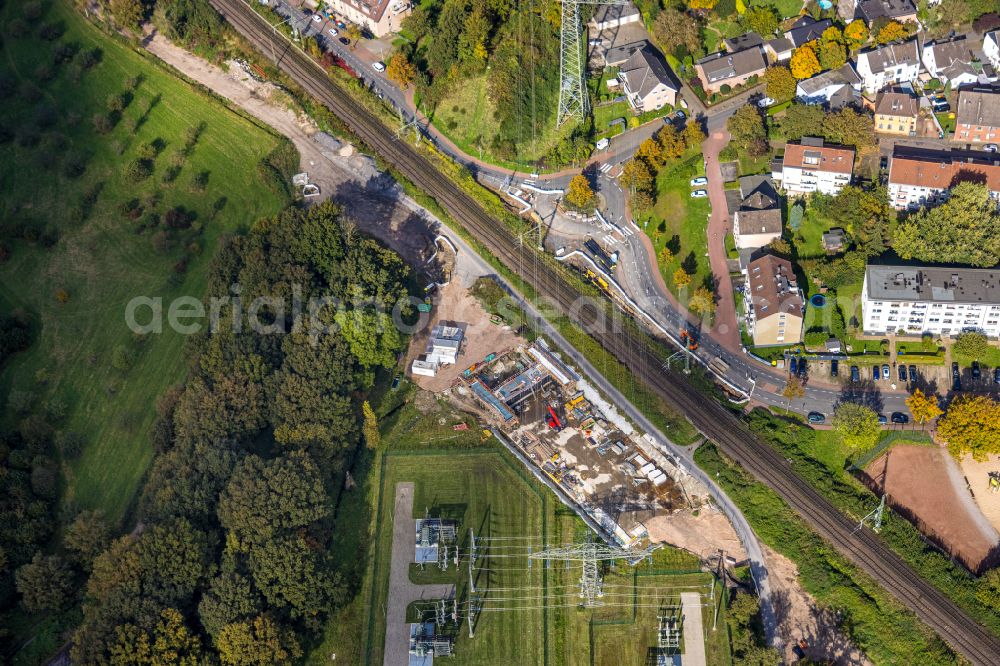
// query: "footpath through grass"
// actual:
[[483, 487], [63, 178]]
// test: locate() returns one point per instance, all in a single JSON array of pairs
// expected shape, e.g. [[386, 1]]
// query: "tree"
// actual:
[[793, 389], [579, 195], [266, 498], [795, 214], [988, 589], [857, 425], [87, 536], [169, 642], [891, 32], [257, 642], [965, 229], [353, 34], [804, 63], [801, 120], [850, 128], [44, 583], [780, 83], [293, 577], [138, 170], [681, 278], [694, 136], [922, 407], [371, 432], [747, 129], [762, 19], [701, 4], [670, 141], [972, 344], [230, 598], [401, 70], [128, 13], [971, 424], [673, 30], [650, 152], [702, 301], [636, 176], [831, 54], [856, 34]]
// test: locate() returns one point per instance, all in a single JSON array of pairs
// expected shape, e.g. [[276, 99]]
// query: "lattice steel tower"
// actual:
[[574, 102], [591, 554]]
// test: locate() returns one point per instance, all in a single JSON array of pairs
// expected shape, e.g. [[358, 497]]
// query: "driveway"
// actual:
[[401, 591], [725, 329]]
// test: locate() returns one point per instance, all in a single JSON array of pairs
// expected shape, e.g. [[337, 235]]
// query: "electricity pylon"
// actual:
[[591, 554], [875, 516], [574, 102]]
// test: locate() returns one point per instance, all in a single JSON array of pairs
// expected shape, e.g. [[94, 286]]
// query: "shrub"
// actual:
[[62, 295], [52, 31], [103, 123], [139, 170], [725, 89]]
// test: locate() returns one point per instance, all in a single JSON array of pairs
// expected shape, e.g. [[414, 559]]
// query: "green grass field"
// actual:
[[485, 488], [679, 221], [104, 260]]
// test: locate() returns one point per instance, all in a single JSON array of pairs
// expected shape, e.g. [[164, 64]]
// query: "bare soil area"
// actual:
[[454, 303], [977, 475], [704, 534], [800, 618], [929, 484]]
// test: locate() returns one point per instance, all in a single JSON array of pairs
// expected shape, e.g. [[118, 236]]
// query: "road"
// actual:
[[864, 549]]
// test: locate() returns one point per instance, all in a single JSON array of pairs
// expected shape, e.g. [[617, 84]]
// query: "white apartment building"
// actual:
[[380, 17], [810, 166], [919, 177], [930, 299], [889, 65]]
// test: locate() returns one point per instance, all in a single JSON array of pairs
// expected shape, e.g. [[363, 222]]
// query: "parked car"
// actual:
[[680, 115], [699, 194], [956, 379], [855, 374], [834, 366], [900, 418], [395, 382], [684, 103], [793, 365], [802, 368], [996, 375], [913, 373], [594, 42], [317, 18], [875, 374], [882, 420], [378, 66], [700, 180], [976, 372], [902, 372], [816, 417], [603, 143], [765, 102], [333, 32], [885, 371], [990, 147], [341, 25]]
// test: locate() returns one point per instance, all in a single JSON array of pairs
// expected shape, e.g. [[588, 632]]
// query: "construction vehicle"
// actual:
[[574, 402], [597, 280], [994, 482], [552, 420], [486, 435]]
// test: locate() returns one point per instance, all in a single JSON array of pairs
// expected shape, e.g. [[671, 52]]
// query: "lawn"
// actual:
[[102, 258], [484, 488], [990, 359], [465, 116], [679, 222]]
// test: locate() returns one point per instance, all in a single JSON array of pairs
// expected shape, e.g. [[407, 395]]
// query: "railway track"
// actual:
[[862, 548]]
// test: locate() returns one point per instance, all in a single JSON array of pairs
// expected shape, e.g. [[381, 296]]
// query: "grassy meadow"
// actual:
[[84, 230]]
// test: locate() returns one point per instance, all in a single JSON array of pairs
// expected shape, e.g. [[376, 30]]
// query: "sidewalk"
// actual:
[[726, 331]]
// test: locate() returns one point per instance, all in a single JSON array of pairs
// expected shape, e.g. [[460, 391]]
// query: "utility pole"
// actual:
[[875, 516], [472, 562]]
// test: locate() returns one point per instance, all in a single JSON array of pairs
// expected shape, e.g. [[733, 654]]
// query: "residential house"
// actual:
[[811, 166], [749, 40], [991, 49], [888, 65], [647, 81], [889, 10], [919, 177], [977, 119], [732, 69], [773, 301], [757, 220], [942, 300], [954, 63], [896, 112], [805, 29], [834, 240], [833, 89], [779, 49], [608, 17], [380, 17]]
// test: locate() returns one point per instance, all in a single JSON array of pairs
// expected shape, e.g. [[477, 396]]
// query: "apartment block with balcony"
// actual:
[[941, 300], [813, 166], [922, 177]]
